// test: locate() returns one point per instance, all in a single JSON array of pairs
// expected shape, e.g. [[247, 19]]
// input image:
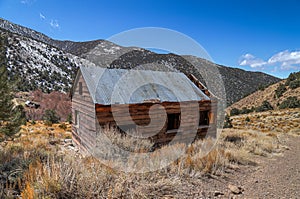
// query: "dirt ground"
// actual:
[[272, 177], [278, 177]]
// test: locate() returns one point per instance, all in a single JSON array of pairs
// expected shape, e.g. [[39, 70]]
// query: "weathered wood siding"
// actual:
[[139, 114], [84, 133], [212, 130]]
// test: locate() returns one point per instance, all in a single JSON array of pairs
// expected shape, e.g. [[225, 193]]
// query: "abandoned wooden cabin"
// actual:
[[128, 99]]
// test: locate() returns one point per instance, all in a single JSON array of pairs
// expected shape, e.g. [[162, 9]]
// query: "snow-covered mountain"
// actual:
[[38, 61], [34, 64]]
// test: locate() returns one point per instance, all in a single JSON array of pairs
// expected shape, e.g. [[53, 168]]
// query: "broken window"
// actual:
[[80, 88], [173, 121], [203, 118]]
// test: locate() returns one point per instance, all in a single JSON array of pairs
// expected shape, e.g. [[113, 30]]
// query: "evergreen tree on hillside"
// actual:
[[11, 116]]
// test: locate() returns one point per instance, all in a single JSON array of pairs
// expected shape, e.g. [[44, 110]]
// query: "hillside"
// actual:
[[268, 94], [42, 62], [34, 64]]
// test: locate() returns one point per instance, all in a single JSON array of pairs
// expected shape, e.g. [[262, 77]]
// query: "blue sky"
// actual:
[[253, 35]]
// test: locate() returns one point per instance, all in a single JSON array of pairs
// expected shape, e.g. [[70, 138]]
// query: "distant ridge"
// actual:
[[32, 54]]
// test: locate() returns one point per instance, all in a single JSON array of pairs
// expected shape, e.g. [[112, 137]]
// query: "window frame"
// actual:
[[205, 121], [173, 121], [80, 88]]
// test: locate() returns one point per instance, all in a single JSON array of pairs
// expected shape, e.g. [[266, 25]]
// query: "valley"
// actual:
[[255, 155]]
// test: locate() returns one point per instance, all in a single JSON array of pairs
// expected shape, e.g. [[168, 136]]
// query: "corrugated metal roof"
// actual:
[[121, 86]]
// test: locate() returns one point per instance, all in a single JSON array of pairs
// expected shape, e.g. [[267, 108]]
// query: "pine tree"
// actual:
[[11, 116]]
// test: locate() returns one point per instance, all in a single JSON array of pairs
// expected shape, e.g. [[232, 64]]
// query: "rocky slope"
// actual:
[[34, 64], [42, 62], [267, 94]]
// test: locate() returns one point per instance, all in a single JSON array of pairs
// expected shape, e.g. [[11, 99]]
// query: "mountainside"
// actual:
[[275, 94], [42, 62], [239, 83], [75, 48], [34, 64]]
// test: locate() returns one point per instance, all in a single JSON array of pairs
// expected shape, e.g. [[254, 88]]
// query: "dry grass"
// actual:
[[37, 167], [129, 143], [243, 144], [281, 121], [295, 132]]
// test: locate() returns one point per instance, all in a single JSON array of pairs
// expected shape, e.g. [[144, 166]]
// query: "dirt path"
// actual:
[[278, 177], [273, 177]]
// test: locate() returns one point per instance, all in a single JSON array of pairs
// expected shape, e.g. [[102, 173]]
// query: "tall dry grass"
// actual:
[[42, 171]]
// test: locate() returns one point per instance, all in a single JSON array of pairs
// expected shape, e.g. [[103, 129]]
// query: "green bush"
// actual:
[[292, 77], [227, 122], [293, 81], [294, 84], [234, 111], [246, 110], [247, 119], [290, 102], [69, 118], [50, 117], [279, 91], [265, 106]]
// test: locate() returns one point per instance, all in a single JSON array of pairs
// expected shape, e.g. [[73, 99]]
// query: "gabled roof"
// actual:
[[121, 86]]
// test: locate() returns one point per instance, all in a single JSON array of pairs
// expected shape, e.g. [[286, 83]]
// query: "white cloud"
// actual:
[[248, 56], [42, 16], [54, 24], [27, 2], [285, 60], [252, 61]]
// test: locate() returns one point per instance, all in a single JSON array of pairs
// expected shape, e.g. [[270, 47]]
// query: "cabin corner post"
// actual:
[[213, 113]]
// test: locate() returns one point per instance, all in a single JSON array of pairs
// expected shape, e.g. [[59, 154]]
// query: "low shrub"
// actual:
[[234, 111], [294, 84], [227, 122], [290, 102], [50, 117], [265, 106], [69, 118], [279, 91], [247, 119], [246, 110], [292, 77]]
